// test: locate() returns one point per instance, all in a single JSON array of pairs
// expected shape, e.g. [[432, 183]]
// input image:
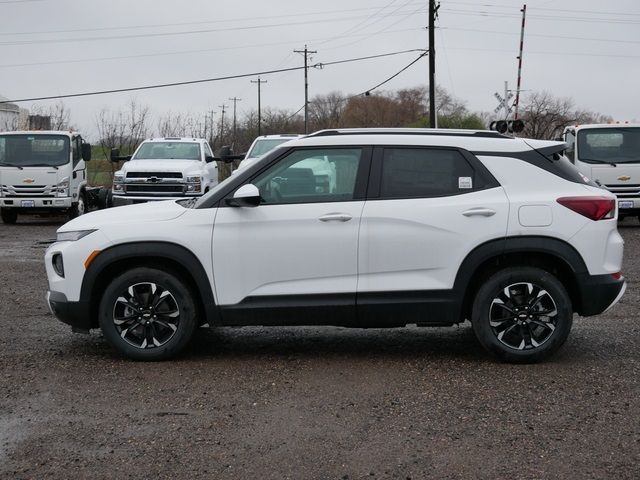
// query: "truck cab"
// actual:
[[164, 169], [609, 154], [42, 171]]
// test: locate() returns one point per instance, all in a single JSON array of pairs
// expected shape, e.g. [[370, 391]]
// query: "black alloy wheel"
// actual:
[[148, 314], [522, 314]]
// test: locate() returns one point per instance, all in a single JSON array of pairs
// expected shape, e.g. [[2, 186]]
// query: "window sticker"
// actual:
[[465, 182]]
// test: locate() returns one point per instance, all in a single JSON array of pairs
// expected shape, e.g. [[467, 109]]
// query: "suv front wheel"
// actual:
[[147, 314], [522, 314]]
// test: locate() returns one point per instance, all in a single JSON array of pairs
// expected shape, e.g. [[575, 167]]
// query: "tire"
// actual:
[[137, 329], [509, 323], [9, 216], [78, 208]]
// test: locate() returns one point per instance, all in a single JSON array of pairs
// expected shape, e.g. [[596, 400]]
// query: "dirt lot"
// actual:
[[325, 403]]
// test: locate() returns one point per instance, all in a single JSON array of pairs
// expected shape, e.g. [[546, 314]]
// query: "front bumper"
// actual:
[[120, 200], [25, 204], [599, 293], [75, 314]]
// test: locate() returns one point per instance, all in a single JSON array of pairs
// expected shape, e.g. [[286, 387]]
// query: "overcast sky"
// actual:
[[584, 49]]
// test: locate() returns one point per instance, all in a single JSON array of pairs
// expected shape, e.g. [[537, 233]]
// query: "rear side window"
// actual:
[[423, 172]]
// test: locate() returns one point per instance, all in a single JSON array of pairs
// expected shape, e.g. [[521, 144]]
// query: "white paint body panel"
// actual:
[[419, 243], [285, 250]]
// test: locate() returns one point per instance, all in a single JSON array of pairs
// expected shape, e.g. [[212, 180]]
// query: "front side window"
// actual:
[[421, 172], [311, 176], [168, 150], [34, 150]]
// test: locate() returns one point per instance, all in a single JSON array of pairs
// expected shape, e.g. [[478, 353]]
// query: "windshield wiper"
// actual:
[[3, 164], [595, 160], [41, 165]]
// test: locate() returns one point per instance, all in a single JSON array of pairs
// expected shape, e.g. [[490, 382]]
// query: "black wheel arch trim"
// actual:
[[155, 249], [500, 248]]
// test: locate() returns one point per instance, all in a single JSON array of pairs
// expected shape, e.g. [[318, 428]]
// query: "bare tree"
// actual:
[[545, 116], [59, 115], [122, 129], [325, 111]]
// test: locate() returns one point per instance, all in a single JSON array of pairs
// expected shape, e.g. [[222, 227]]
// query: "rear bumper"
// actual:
[[75, 314], [599, 293]]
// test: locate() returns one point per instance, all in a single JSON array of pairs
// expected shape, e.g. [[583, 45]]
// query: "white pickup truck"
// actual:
[[163, 169]]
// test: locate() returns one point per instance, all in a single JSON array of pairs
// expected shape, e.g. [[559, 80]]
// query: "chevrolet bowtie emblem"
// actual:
[[28, 180], [624, 178]]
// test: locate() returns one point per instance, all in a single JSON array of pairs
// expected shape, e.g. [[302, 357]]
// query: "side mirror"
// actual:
[[247, 195], [209, 158], [86, 152], [225, 154], [115, 156]]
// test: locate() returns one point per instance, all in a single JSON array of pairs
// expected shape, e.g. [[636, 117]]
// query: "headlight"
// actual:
[[62, 189], [118, 178], [196, 179], [73, 236]]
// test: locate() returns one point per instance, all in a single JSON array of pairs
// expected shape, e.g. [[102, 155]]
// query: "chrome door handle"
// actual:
[[483, 212], [335, 217]]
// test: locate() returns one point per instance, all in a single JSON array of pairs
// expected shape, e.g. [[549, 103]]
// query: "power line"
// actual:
[[173, 34], [617, 21], [368, 91], [509, 7], [205, 80], [565, 37], [181, 24], [184, 52]]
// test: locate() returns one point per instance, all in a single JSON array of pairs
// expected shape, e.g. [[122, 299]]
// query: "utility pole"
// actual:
[[259, 82], [211, 112], [234, 100], [433, 11], [306, 53], [222, 121], [524, 12]]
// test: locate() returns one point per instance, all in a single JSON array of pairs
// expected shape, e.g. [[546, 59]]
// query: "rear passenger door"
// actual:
[[426, 209]]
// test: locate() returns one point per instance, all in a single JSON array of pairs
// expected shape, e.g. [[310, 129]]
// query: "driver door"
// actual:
[[298, 248]]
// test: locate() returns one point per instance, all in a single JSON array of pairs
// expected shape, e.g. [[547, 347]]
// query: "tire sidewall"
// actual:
[[489, 291], [167, 280]]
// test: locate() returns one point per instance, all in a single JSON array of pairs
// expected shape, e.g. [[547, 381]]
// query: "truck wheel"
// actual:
[[78, 208], [9, 216], [522, 314], [147, 314]]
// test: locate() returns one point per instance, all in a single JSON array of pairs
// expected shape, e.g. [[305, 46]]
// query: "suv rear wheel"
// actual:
[[147, 314], [522, 314]]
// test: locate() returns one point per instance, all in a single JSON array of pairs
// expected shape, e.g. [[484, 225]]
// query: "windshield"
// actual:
[[611, 145], [168, 150], [264, 145], [34, 150]]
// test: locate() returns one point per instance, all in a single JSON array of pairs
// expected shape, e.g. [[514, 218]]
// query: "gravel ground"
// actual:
[[325, 403]]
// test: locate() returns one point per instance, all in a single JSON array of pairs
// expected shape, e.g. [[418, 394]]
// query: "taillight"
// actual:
[[595, 208], [617, 275]]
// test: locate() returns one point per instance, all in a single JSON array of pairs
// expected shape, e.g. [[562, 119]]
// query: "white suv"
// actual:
[[263, 145], [426, 227]]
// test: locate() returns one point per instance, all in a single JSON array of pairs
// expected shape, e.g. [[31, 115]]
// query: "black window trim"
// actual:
[[249, 175], [484, 179]]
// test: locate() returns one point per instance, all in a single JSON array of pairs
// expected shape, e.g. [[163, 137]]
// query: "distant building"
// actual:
[[9, 115]]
